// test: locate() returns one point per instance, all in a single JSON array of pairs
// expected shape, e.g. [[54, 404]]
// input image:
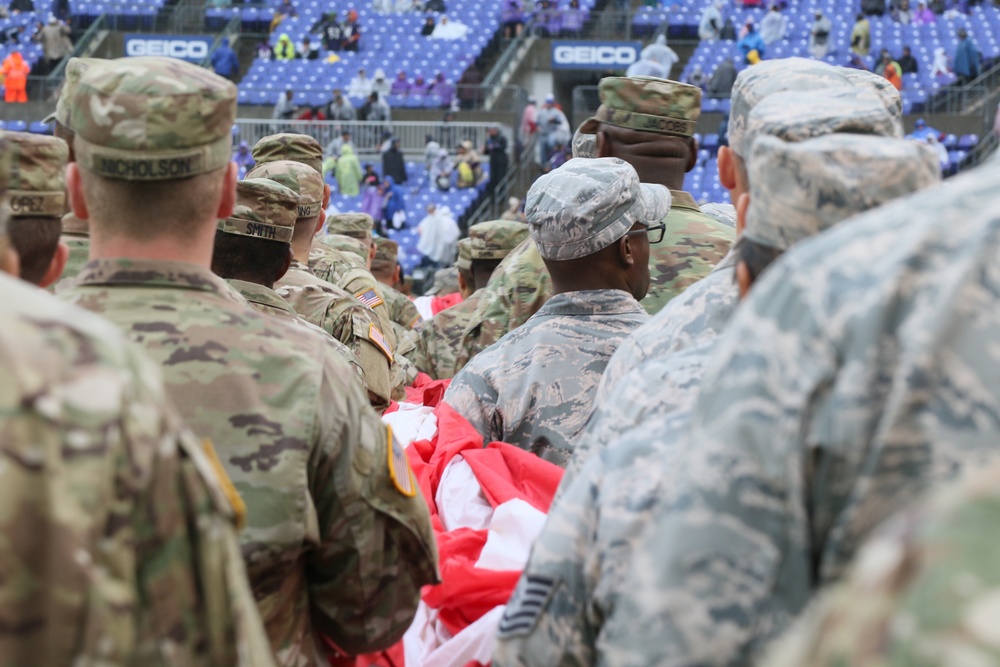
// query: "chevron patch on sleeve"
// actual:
[[526, 605]]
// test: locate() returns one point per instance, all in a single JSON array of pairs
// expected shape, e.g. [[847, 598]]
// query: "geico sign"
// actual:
[[174, 48], [594, 55]]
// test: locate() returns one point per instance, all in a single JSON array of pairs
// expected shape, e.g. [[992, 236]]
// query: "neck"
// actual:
[[301, 247], [164, 249], [580, 275]]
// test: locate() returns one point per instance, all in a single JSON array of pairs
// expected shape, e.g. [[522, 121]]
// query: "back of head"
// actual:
[[300, 179], [355, 225], [288, 146], [348, 245], [773, 76], [74, 71], [489, 243], [37, 200], [386, 258], [802, 189]]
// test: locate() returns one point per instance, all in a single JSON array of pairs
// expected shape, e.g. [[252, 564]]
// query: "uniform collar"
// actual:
[[153, 273], [261, 295], [681, 199], [74, 225], [592, 302]]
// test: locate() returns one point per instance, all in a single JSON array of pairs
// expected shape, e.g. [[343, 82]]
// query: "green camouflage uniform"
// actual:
[[607, 503], [922, 592], [323, 304], [400, 307], [440, 339], [119, 545], [535, 387], [338, 540]]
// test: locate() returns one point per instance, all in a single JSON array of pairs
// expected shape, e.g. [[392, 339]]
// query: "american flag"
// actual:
[[370, 298]]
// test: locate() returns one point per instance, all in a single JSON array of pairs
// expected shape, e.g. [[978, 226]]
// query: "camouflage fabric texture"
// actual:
[[76, 236], [151, 119], [801, 189], [464, 259], [264, 210], [37, 177], [584, 145], [439, 343], [289, 146], [386, 255], [73, 72], [724, 213], [330, 263], [401, 310], [599, 513], [921, 592], [535, 387], [445, 281], [891, 99], [356, 225], [329, 519], [348, 246], [494, 239], [342, 316], [120, 545], [888, 320], [267, 301], [295, 176], [647, 104], [588, 204]]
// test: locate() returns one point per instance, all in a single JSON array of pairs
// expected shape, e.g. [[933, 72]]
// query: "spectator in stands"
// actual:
[[331, 31], [561, 154], [967, 58], [644, 67], [873, 7], [819, 36], [937, 6], [11, 34], [428, 29], [438, 237], [56, 45], [923, 15], [942, 153], [348, 172], [243, 159], [264, 51], [660, 53], [442, 169], [710, 26], [393, 163], [553, 129], [19, 6], [749, 4], [529, 125], [548, 19], [902, 12], [381, 85], [512, 17], [469, 165], [940, 65], [907, 63], [449, 29], [371, 202], [921, 131], [311, 113], [340, 109], [400, 85], [697, 77], [377, 112], [350, 32], [470, 92], [573, 18], [61, 10], [861, 36], [224, 61], [774, 26], [514, 211], [284, 50], [285, 108], [751, 45], [855, 61], [307, 50], [723, 78], [360, 86], [496, 149], [419, 87], [435, 6], [891, 71], [431, 149], [285, 9], [442, 90], [393, 203], [15, 74]]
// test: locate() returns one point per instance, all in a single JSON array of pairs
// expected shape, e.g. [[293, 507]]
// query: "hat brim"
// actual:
[[654, 203], [589, 126]]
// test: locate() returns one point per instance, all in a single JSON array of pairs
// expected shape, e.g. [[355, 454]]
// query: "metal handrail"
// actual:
[[503, 62], [231, 28]]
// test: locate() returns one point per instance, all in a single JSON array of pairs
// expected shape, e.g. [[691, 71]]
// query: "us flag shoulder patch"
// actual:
[[370, 298], [376, 336], [399, 467], [526, 605]]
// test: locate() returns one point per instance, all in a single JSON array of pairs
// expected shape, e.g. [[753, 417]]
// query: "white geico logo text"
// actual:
[[594, 55], [174, 48]]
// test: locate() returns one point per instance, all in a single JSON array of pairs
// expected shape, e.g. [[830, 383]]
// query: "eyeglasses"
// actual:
[[655, 232]]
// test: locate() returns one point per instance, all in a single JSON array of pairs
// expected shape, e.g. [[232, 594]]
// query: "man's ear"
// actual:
[[326, 195], [743, 279], [56, 266], [693, 156], [742, 206], [10, 261], [320, 221], [625, 252], [727, 168], [74, 186], [228, 200], [603, 145]]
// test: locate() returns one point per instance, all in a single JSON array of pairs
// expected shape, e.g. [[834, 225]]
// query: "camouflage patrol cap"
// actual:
[[886, 92], [464, 261], [5, 161], [288, 146], [496, 238], [347, 244], [648, 104], [152, 119], [75, 67], [795, 116], [386, 255], [801, 189], [587, 204], [264, 209], [584, 145], [356, 225], [297, 177], [445, 281], [774, 76], [36, 175]]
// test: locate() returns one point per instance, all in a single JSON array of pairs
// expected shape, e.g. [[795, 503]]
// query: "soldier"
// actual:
[[592, 221], [253, 250], [37, 200], [601, 513], [478, 256], [388, 271], [859, 372], [353, 249], [126, 504], [704, 309], [323, 304], [922, 592], [75, 233], [649, 123], [333, 512]]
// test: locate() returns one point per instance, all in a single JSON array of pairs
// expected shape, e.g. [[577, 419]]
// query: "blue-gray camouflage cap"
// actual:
[[886, 92], [587, 204], [801, 189]]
